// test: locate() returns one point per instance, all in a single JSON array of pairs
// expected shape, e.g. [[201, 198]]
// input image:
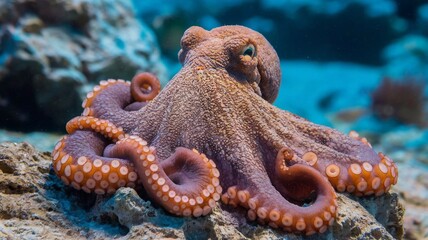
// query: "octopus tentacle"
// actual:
[[298, 184], [185, 184], [78, 158], [109, 88], [103, 127], [349, 162], [144, 87], [365, 178], [362, 173], [117, 99]]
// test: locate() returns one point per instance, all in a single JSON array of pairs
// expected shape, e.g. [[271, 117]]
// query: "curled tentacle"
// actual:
[[109, 96], [114, 98], [304, 201], [144, 87], [187, 183], [79, 161]]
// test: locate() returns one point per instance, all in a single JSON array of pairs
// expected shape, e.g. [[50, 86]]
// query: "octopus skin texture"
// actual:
[[213, 134]]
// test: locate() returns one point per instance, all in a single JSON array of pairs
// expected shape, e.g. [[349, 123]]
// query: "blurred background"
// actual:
[[350, 64]]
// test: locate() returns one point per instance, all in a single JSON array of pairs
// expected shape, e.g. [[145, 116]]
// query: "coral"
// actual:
[[400, 100]]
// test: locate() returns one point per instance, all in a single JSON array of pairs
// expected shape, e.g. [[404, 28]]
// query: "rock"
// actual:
[[127, 207], [52, 51], [407, 146], [32, 202], [386, 210], [416, 199], [32, 25], [35, 204], [76, 13], [8, 13]]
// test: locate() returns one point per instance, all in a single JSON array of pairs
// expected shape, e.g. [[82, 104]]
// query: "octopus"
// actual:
[[212, 134]]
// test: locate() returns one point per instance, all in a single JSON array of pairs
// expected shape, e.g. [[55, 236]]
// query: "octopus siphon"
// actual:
[[213, 134]]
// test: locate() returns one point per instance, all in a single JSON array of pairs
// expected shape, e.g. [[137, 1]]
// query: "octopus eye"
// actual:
[[249, 50]]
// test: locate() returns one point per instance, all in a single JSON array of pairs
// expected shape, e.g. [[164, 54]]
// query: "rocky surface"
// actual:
[[34, 204], [408, 148], [50, 49]]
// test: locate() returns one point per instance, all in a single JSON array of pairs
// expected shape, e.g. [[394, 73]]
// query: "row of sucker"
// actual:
[[259, 209], [145, 87], [90, 96], [262, 209], [361, 179], [172, 197], [93, 174]]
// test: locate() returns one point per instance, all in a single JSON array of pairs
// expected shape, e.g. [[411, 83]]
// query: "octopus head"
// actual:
[[244, 53]]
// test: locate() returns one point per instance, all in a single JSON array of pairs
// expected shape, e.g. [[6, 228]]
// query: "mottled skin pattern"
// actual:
[[220, 104]]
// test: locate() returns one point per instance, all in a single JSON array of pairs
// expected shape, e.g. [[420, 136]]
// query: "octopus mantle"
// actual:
[[213, 134]]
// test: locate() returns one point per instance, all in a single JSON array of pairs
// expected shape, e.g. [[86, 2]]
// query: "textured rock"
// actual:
[[35, 204], [408, 148], [54, 48], [414, 195], [24, 211]]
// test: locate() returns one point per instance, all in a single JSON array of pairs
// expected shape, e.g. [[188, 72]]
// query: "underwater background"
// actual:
[[349, 64]]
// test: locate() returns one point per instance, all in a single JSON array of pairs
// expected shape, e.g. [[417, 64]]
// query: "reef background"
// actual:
[[336, 56]]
